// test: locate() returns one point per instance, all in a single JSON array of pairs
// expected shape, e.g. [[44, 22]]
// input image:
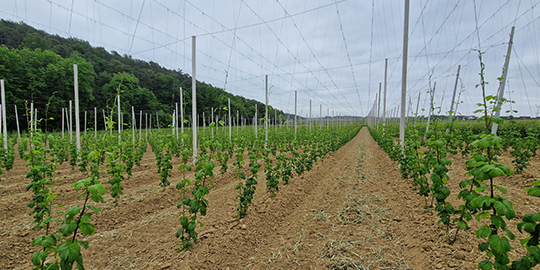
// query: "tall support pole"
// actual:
[[237, 119], [266, 112], [275, 120], [256, 120], [17, 120], [432, 92], [417, 104], [320, 116], [4, 128], [327, 117], [119, 121], [310, 116], [133, 124], [36, 120], [409, 109], [385, 86], [146, 126], [173, 124], [31, 119], [194, 98], [140, 125], [63, 121], [1, 105], [70, 121], [157, 120], [104, 119], [176, 119], [404, 75], [85, 123], [230, 122], [77, 120], [295, 107], [452, 112], [213, 122], [181, 112], [379, 105], [503, 82], [374, 108], [95, 122]]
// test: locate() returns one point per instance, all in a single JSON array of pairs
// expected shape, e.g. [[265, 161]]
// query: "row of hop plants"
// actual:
[[62, 230], [107, 162], [425, 162], [282, 158]]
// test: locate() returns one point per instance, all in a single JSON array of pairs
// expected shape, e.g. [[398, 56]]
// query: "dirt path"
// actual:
[[351, 211]]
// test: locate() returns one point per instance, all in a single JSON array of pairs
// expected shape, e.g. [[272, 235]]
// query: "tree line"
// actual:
[[38, 68]]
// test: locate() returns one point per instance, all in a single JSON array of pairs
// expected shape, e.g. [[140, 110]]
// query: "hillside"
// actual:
[[38, 67]]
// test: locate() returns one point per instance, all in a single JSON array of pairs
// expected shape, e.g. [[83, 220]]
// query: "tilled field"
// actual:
[[351, 211]]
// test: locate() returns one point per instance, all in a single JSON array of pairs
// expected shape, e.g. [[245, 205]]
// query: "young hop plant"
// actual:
[[194, 199], [484, 167]]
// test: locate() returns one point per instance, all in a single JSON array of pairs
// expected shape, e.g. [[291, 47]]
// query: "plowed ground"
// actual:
[[351, 211]]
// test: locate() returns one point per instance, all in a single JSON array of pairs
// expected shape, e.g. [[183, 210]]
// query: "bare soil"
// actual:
[[351, 211]]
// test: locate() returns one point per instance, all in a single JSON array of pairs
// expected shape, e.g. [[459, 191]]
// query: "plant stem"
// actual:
[[80, 216]]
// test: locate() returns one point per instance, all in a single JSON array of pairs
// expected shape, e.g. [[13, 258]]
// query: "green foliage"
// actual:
[[163, 151], [272, 173], [193, 199], [36, 65], [7, 156], [247, 189], [116, 169]]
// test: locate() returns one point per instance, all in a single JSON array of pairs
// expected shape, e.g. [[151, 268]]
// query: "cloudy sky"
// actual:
[[331, 51]]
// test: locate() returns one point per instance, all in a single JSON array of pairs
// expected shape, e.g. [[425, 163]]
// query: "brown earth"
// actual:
[[351, 211]]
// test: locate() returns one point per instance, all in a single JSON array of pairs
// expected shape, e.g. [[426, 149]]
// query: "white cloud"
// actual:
[[306, 53]]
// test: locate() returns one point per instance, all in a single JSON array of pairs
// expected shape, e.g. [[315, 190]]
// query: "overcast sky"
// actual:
[[330, 51]]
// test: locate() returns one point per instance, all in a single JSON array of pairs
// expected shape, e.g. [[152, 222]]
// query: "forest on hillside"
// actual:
[[38, 68]]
